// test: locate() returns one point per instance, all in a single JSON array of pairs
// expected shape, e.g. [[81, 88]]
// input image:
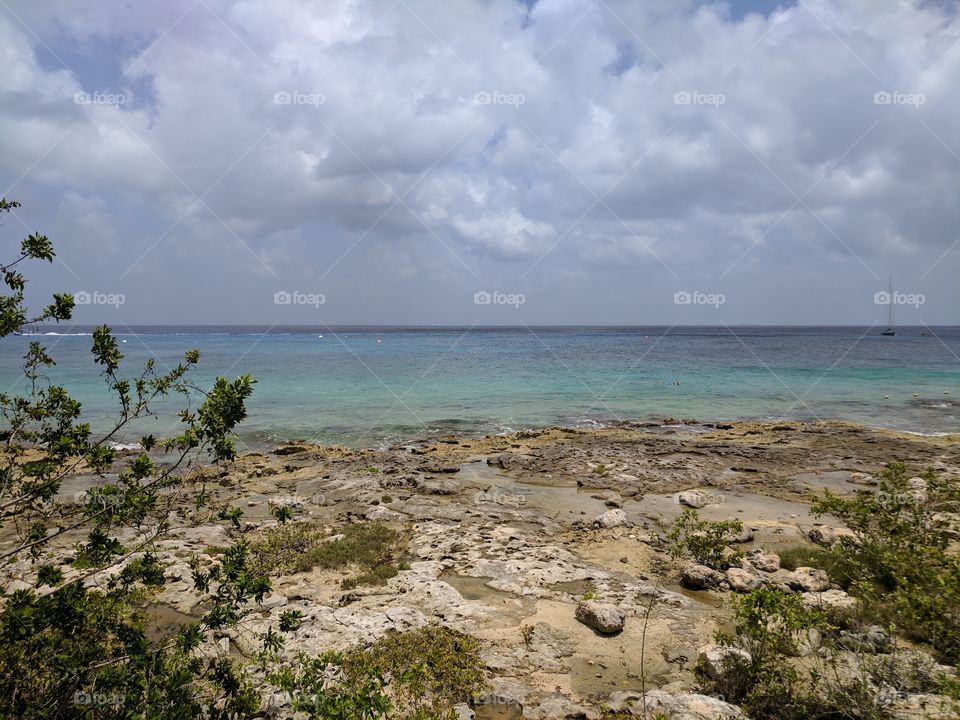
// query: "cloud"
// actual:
[[558, 140]]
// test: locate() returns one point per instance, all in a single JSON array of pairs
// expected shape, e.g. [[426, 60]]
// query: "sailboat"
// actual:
[[890, 332]]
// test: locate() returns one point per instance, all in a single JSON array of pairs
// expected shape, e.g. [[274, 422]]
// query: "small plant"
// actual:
[[386, 499], [705, 541], [290, 620], [298, 547], [282, 513], [526, 632]]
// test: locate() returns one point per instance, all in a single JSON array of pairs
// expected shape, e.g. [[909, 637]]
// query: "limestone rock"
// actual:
[[700, 577], [558, 707], [873, 639], [923, 707], [441, 486], [808, 579], [744, 536], [836, 599], [462, 711], [602, 617], [686, 706], [380, 512], [765, 563], [742, 580], [719, 661], [693, 498], [611, 519], [547, 640], [828, 536], [614, 501]]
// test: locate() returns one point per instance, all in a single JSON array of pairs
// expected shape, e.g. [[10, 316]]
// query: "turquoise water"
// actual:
[[375, 386]]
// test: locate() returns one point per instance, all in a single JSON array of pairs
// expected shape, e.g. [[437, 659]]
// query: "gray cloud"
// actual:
[[398, 157]]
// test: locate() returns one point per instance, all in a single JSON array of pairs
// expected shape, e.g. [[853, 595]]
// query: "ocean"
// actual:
[[376, 386]]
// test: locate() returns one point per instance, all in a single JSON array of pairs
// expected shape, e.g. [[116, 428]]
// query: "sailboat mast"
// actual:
[[890, 305]]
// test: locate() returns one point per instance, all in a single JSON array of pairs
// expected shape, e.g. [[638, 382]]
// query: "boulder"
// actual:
[[685, 706], [614, 501], [923, 707], [693, 498], [700, 577], [744, 536], [742, 580], [380, 512], [721, 661], [602, 617], [808, 579], [873, 639], [833, 599], [611, 519], [462, 711], [828, 536], [765, 563], [558, 707]]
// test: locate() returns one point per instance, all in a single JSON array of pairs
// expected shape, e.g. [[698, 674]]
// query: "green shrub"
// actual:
[[71, 651], [374, 548], [816, 557], [899, 563], [705, 541], [416, 675]]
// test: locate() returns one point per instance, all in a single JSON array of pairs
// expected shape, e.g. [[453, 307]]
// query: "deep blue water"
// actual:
[[370, 386]]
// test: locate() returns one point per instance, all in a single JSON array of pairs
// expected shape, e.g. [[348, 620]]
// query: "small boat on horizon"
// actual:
[[890, 331]]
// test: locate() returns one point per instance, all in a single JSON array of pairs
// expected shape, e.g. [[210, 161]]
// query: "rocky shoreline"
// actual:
[[548, 547]]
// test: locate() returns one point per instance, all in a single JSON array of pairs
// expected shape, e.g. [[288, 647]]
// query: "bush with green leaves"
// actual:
[[704, 541], [413, 675], [373, 548], [69, 649], [902, 563]]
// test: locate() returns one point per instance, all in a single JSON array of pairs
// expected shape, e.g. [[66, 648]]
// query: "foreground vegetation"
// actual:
[[791, 660], [373, 550]]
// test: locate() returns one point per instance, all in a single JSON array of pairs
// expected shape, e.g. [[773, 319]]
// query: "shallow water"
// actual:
[[376, 386]]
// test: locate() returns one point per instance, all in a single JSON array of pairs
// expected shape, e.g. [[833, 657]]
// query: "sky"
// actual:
[[486, 161]]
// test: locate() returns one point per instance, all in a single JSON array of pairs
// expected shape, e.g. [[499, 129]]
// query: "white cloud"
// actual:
[[394, 113]]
